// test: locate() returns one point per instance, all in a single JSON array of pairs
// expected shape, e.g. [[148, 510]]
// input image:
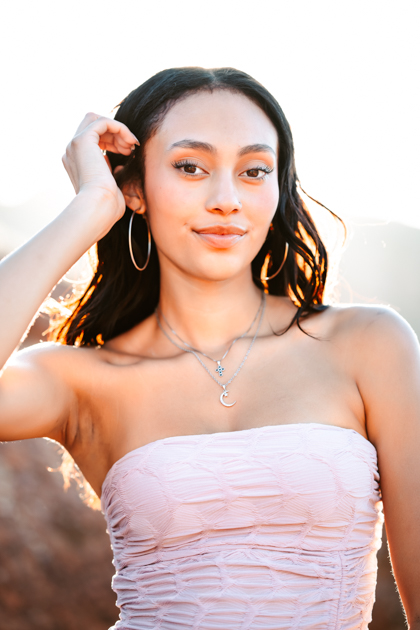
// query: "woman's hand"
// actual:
[[88, 168]]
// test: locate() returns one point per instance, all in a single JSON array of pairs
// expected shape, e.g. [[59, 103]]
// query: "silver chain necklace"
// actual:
[[225, 391], [220, 369]]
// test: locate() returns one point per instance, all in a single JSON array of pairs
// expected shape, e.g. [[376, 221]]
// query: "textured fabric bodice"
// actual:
[[274, 528]]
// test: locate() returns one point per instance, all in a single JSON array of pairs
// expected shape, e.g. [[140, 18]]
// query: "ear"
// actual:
[[133, 195], [134, 198]]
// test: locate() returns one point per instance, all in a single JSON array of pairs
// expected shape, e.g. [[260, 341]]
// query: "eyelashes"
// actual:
[[193, 166], [187, 164], [263, 168]]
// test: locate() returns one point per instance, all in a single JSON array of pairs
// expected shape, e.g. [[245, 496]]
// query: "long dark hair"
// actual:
[[118, 296]]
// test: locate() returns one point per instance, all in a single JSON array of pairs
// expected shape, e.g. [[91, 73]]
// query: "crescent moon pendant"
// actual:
[[222, 395]]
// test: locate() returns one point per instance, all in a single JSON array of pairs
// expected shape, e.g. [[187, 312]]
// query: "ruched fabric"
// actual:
[[271, 528]]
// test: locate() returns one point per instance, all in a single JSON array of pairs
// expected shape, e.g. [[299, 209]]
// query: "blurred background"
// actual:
[[347, 77]]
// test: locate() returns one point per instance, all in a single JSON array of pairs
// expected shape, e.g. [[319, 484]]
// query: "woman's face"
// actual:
[[211, 184]]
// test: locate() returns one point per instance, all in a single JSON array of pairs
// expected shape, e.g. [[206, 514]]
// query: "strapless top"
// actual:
[[270, 528]]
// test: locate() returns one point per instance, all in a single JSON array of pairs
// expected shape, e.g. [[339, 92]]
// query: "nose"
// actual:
[[223, 196]]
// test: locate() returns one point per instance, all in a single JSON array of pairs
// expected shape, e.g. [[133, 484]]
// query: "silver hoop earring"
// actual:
[[263, 278], [149, 242]]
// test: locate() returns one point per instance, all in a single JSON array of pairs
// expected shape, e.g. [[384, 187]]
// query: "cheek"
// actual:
[[171, 209], [169, 200], [262, 203], [270, 197]]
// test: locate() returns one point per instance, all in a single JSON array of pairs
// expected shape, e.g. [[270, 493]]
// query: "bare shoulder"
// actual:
[[383, 352], [59, 361], [52, 356], [382, 340], [370, 324], [366, 339], [38, 392], [375, 325], [360, 327]]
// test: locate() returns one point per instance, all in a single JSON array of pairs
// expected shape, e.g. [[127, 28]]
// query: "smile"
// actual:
[[219, 236]]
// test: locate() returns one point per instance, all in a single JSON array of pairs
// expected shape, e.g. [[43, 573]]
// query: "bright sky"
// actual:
[[345, 72]]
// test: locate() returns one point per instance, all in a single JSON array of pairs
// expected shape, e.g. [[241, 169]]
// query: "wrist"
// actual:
[[101, 199], [86, 220], [96, 209]]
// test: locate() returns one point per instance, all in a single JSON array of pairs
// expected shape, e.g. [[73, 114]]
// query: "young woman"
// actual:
[[242, 434]]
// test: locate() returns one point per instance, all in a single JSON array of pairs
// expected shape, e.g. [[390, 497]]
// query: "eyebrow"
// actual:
[[208, 148], [257, 148], [193, 144]]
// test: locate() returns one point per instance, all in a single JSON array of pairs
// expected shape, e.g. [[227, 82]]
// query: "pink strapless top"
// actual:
[[271, 528]]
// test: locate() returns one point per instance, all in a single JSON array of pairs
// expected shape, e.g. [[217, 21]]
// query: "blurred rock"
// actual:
[[387, 610], [55, 556]]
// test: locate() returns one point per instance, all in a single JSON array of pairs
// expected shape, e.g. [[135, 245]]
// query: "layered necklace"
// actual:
[[219, 369]]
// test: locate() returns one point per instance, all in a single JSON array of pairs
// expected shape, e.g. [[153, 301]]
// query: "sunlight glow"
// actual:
[[343, 73]]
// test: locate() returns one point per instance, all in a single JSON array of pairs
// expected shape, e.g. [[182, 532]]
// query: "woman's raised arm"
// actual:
[[33, 396]]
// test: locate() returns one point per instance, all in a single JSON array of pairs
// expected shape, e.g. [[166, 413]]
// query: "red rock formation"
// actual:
[[55, 556]]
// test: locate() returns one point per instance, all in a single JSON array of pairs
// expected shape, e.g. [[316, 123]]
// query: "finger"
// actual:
[[113, 138], [109, 146], [87, 120], [116, 147], [104, 125]]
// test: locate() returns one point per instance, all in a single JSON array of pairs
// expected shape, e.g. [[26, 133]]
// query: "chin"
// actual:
[[219, 274]]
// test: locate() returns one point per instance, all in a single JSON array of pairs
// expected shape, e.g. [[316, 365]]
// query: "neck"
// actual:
[[209, 314]]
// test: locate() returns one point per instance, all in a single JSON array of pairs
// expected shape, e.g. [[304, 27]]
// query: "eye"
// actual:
[[259, 172], [188, 167]]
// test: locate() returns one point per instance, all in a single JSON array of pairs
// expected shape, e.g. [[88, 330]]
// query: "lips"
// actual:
[[221, 229], [220, 236]]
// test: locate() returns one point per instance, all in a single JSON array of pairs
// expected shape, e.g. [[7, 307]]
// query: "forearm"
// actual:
[[29, 273]]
